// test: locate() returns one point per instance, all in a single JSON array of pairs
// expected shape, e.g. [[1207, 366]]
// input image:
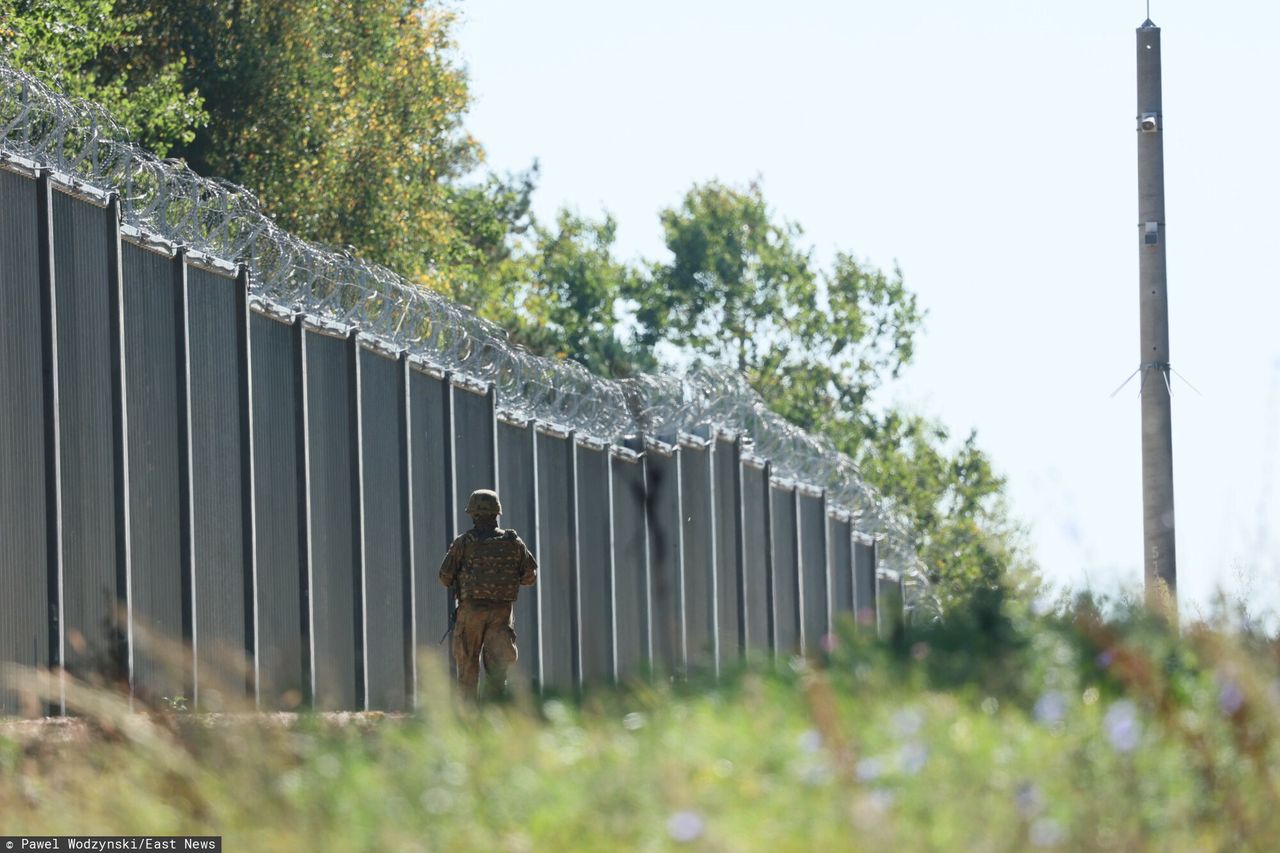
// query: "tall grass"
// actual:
[[998, 730]]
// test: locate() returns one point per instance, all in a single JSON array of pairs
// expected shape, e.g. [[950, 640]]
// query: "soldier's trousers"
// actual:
[[485, 630]]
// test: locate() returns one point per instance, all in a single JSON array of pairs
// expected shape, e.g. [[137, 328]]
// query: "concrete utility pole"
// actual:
[[1157, 432]]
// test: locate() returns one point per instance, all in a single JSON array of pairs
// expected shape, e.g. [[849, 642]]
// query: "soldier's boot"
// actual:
[[500, 653]]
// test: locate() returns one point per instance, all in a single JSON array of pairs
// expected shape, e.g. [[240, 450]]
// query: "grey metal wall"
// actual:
[[86, 281], [889, 604], [666, 557], [474, 447], [155, 355], [595, 563], [699, 555], [631, 564], [283, 653], [730, 605], [388, 579], [26, 568], [518, 473], [813, 570], [431, 503], [758, 557], [864, 583], [334, 550], [558, 575], [840, 558], [222, 524], [237, 506], [786, 569]]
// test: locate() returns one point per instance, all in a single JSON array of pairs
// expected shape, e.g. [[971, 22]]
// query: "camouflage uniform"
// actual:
[[489, 565]]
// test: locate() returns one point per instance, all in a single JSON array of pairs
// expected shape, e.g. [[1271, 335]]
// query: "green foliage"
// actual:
[[90, 49], [346, 120], [1094, 727], [568, 304], [175, 704], [740, 289], [736, 283], [953, 499]]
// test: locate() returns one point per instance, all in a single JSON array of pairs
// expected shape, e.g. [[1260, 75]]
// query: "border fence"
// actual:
[[217, 432]]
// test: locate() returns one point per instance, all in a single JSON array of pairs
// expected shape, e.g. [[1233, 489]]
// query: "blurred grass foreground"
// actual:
[[1091, 727]]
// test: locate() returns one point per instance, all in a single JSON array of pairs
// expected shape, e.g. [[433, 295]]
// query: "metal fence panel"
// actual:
[[699, 556], [283, 641], [431, 486], [889, 604], [520, 513], [631, 566], [558, 573], [840, 556], [334, 551], [666, 560], [24, 549], [813, 570], [222, 544], [758, 554], [728, 532], [155, 398], [595, 565], [388, 591], [474, 425], [94, 593], [786, 570], [864, 583]]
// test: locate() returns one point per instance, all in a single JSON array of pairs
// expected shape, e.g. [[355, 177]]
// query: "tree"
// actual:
[[739, 289], [346, 119], [568, 303], [735, 283], [66, 44]]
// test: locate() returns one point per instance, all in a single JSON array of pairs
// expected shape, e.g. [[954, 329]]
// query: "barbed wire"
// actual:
[[165, 198]]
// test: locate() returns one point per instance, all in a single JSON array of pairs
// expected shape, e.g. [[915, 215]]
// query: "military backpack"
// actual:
[[491, 566]]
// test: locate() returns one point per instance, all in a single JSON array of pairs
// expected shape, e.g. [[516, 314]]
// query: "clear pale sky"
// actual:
[[988, 148]]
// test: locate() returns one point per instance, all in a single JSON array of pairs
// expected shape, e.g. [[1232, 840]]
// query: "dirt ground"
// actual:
[[80, 730]]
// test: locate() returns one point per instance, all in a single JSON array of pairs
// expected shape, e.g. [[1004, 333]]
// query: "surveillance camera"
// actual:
[[1148, 123]]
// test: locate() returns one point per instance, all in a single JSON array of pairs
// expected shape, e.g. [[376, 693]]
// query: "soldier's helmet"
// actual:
[[484, 502]]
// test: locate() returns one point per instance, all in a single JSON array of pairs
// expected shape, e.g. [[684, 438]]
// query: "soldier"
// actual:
[[484, 569]]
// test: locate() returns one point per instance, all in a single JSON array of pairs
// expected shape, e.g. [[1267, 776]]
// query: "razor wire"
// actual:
[[163, 197]]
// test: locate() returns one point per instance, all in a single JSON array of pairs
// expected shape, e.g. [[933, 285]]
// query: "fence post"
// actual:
[[244, 357], [120, 432], [56, 652], [771, 603], [307, 592], [830, 568], [683, 653], [575, 581], [410, 541], [646, 523], [451, 466], [360, 605], [713, 556], [610, 540], [538, 676], [740, 564], [187, 522], [799, 578]]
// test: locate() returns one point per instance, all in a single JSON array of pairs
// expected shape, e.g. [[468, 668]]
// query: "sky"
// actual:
[[988, 149]]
